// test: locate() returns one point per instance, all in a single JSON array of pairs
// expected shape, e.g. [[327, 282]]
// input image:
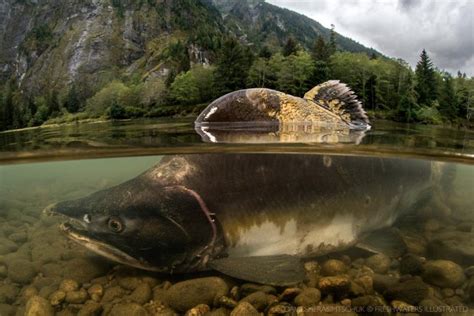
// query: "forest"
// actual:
[[388, 88]]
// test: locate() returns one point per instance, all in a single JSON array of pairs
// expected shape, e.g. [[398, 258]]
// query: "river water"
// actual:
[[40, 268]]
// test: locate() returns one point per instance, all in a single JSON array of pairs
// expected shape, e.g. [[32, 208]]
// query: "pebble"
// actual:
[[289, 294], [249, 288], [402, 307], [96, 291], [448, 292], [19, 237], [257, 299], [432, 225], [76, 297], [227, 302], [411, 291], [455, 245], [338, 285], [443, 273], [21, 271], [129, 283], [3, 271], [199, 310], [281, 309], [68, 285], [184, 295], [8, 310], [469, 271], [112, 293], [8, 293], [366, 282], [379, 263], [90, 308], [38, 306], [84, 269], [57, 297], [127, 309], [308, 297], [411, 264], [333, 267], [141, 294], [244, 309], [28, 292]]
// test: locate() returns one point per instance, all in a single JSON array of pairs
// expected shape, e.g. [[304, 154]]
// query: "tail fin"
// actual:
[[338, 98]]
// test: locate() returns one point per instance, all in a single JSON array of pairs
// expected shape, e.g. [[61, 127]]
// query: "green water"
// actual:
[[48, 165]]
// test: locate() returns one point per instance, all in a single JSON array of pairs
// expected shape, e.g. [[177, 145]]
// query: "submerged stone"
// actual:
[[444, 273]]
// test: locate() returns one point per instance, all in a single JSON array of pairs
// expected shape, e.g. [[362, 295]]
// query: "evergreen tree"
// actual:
[[232, 67], [8, 106], [447, 99], [371, 92], [332, 47], [320, 50], [72, 103], [426, 86], [291, 47], [407, 105], [265, 52], [53, 103], [320, 55], [462, 95]]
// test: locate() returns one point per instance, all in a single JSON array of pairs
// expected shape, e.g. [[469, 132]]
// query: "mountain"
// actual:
[[260, 23], [50, 44]]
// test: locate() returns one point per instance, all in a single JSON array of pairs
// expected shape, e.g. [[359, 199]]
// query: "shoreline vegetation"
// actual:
[[388, 88]]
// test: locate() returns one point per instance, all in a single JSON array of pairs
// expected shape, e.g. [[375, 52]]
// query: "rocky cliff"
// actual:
[[48, 44]]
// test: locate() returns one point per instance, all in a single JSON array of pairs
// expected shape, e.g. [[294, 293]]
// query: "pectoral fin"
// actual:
[[387, 241], [282, 270]]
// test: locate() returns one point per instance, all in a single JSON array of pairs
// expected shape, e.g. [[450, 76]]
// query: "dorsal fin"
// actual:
[[338, 98]]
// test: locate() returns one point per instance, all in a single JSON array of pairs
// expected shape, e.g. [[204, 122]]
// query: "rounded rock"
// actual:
[[199, 310], [57, 297], [380, 263], [8, 293], [411, 264], [68, 285], [308, 297], [127, 309], [333, 267], [443, 273], [184, 295], [141, 294], [257, 299], [112, 293], [21, 271], [338, 285], [38, 306], [76, 297], [411, 291], [90, 309], [402, 307], [96, 291], [244, 309]]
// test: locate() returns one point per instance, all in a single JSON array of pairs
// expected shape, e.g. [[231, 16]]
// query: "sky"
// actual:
[[401, 28]]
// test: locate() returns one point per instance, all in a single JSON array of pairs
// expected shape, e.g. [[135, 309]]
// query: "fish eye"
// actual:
[[87, 218], [115, 224]]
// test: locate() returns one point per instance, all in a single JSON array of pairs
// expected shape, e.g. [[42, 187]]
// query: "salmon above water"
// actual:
[[252, 216]]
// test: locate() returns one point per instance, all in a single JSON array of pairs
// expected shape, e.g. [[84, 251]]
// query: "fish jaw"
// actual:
[[77, 231], [81, 237]]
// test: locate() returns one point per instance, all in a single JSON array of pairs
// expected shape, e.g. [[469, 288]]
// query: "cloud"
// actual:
[[402, 28]]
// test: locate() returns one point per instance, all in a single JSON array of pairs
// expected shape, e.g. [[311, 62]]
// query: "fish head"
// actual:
[[141, 224]]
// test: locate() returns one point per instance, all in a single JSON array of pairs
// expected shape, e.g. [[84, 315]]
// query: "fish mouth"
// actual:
[[77, 231], [80, 235]]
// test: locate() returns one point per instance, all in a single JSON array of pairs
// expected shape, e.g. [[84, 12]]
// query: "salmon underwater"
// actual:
[[252, 216], [190, 211]]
